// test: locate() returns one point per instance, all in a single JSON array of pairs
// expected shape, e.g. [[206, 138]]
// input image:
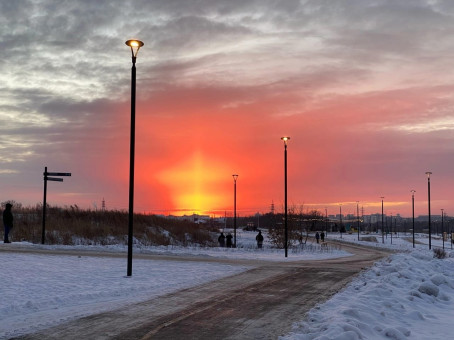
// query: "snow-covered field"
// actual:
[[42, 290], [407, 296]]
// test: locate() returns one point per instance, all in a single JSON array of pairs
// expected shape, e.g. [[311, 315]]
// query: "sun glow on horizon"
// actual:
[[197, 184]]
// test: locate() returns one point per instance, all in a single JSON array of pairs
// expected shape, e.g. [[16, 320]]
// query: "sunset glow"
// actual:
[[194, 185]]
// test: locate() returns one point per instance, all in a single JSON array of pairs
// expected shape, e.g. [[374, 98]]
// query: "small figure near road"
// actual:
[[259, 239], [322, 236], [317, 236], [229, 240], [7, 221], [221, 240]]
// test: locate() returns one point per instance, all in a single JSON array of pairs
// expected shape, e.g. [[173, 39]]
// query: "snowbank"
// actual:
[[406, 296]]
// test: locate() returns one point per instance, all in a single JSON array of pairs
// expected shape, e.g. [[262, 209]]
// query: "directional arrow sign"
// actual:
[[54, 179], [58, 174]]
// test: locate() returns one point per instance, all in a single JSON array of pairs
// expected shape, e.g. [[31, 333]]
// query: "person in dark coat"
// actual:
[[229, 240], [259, 239], [7, 221], [221, 240], [317, 236], [322, 236]]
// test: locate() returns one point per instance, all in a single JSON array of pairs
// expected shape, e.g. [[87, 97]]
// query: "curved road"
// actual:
[[261, 303]]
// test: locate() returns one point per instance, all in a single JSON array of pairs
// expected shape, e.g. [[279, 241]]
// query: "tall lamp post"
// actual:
[[428, 173], [285, 139], [357, 215], [413, 213], [391, 228], [443, 227], [135, 46], [340, 219], [235, 177], [382, 227], [326, 222]]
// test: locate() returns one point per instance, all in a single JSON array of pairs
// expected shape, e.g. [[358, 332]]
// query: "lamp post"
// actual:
[[428, 173], [391, 228], [382, 234], [413, 213], [357, 215], [135, 46], [326, 222], [340, 219], [443, 227], [235, 177], [285, 139]]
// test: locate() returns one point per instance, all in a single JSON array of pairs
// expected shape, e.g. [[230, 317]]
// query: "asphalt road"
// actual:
[[261, 303]]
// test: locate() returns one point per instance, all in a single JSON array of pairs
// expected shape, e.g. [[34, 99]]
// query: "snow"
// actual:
[[408, 295], [405, 296], [40, 291]]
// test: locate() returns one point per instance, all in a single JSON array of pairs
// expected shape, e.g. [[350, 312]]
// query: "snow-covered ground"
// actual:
[[407, 296], [38, 291]]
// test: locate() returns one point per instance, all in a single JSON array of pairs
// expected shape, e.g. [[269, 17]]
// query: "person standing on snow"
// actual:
[[229, 240], [259, 239], [317, 236], [221, 240], [7, 221]]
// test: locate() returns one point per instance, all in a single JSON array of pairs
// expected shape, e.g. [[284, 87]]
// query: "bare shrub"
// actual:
[[72, 225]]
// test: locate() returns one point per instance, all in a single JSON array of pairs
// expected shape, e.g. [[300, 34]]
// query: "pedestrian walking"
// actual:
[[7, 221], [259, 239], [317, 236], [221, 240], [229, 240], [322, 236]]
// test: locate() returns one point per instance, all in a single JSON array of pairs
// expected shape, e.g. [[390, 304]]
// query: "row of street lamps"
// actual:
[[428, 173]]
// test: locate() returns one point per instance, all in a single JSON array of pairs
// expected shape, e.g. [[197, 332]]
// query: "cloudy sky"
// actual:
[[363, 88]]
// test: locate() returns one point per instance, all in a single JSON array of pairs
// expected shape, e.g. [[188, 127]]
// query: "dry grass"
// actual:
[[72, 225]]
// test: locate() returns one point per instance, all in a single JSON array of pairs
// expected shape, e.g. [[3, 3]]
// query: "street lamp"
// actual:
[[428, 173], [391, 228], [340, 219], [413, 212], [442, 227], [235, 177], [285, 139], [382, 234], [135, 46], [326, 222], [357, 215]]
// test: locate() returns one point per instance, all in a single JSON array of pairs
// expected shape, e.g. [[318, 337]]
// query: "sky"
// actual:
[[362, 88]]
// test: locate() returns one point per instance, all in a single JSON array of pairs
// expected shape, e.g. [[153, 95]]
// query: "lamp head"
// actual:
[[285, 139], [135, 46], [428, 173], [235, 177]]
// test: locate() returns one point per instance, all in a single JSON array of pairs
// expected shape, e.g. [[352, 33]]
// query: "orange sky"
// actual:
[[362, 88]]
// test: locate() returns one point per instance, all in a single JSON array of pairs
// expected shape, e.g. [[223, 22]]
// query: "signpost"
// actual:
[[54, 179]]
